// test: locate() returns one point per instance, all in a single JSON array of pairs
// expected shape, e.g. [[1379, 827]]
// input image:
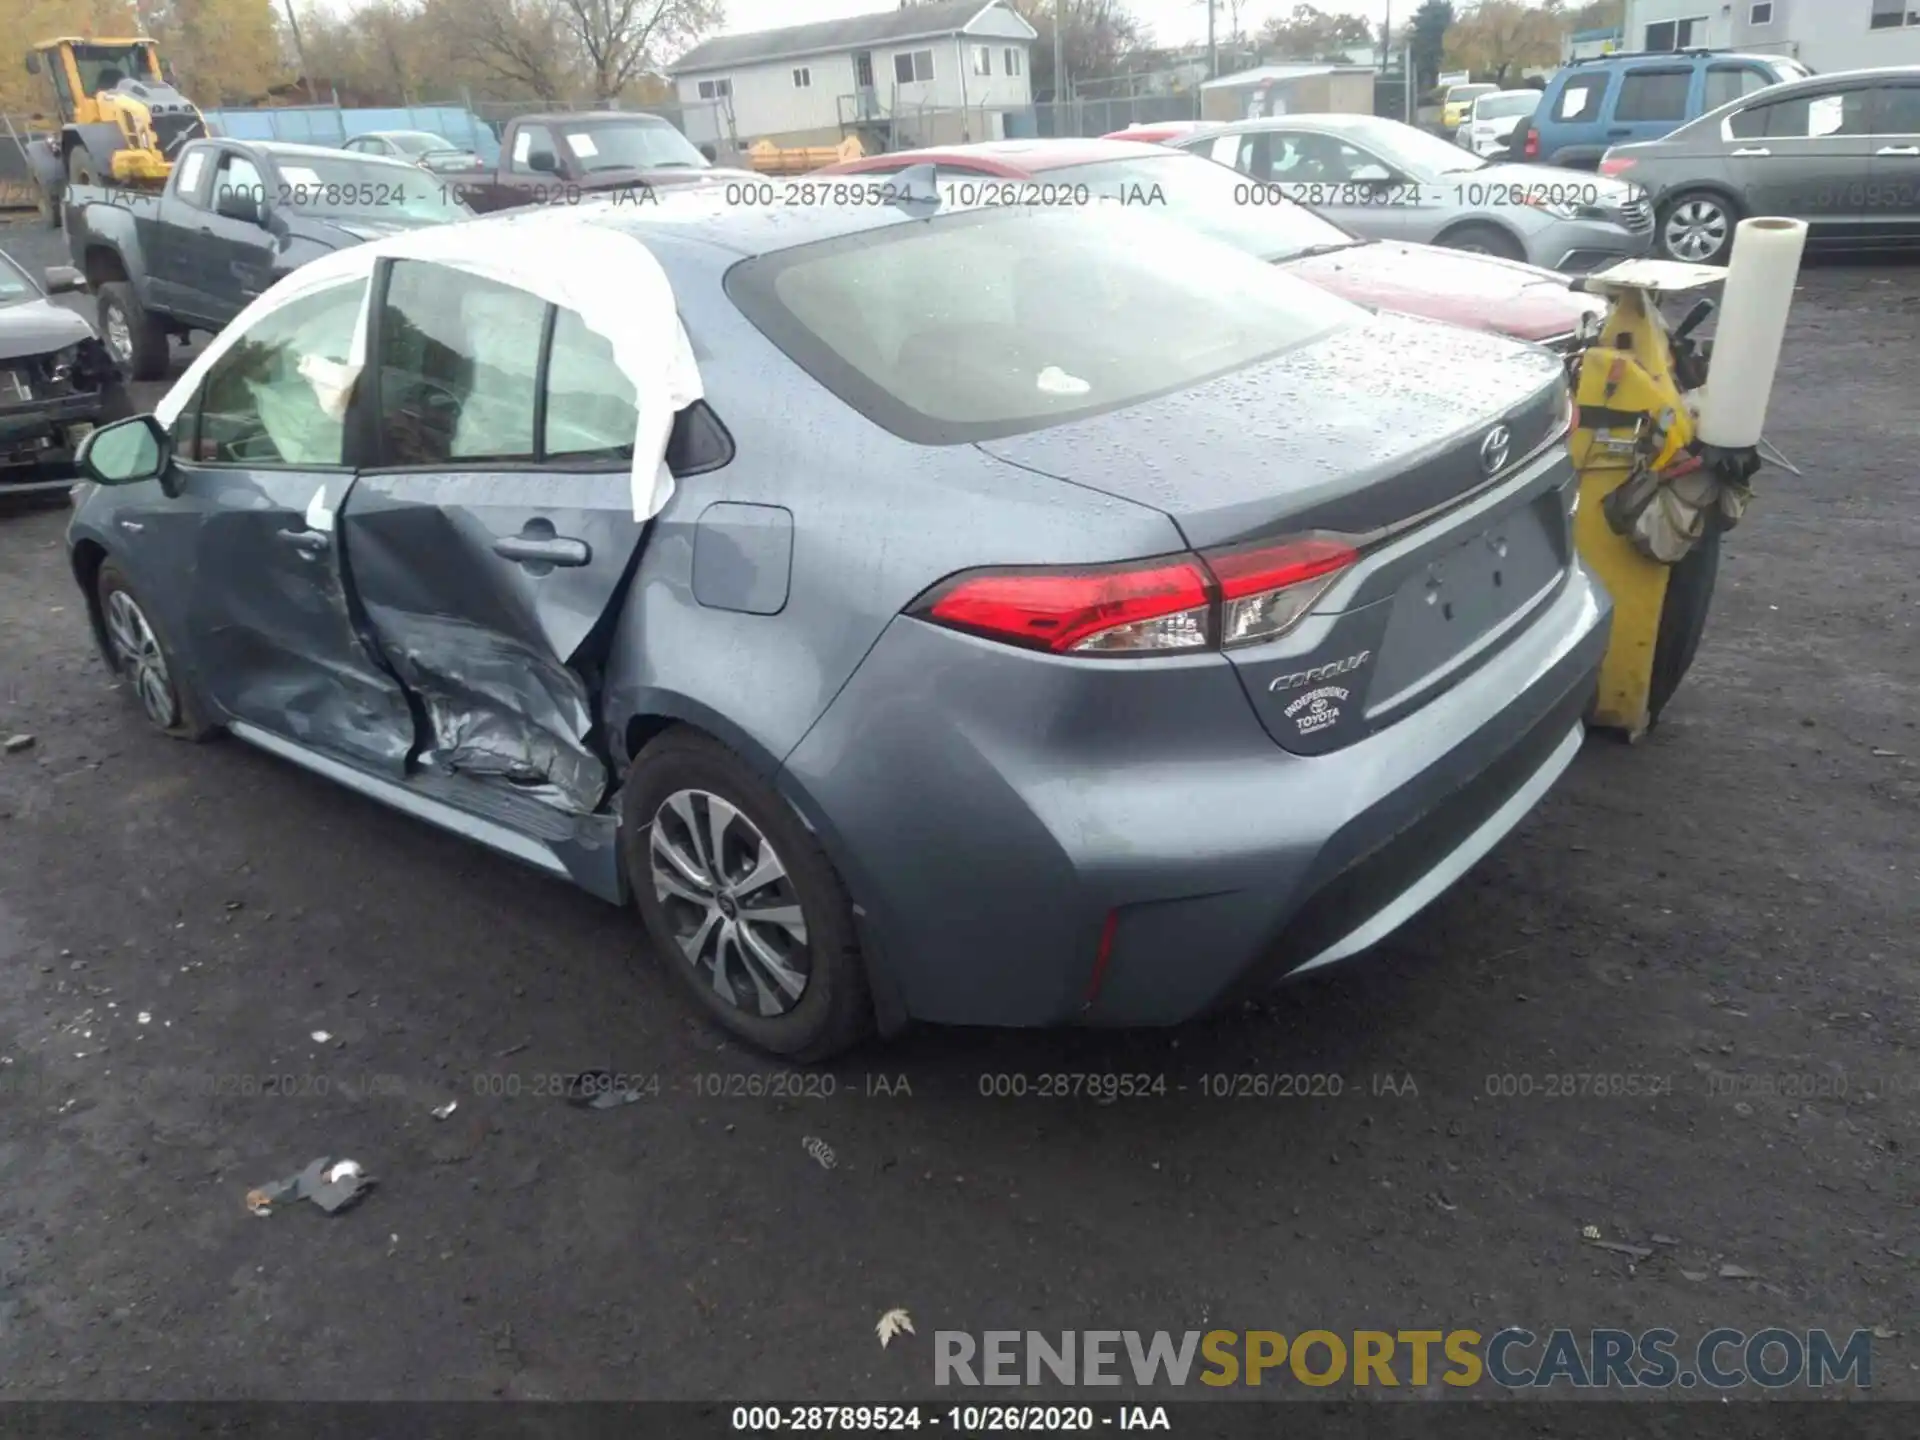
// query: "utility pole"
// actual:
[[1386, 39], [1213, 51], [300, 54], [1059, 62]]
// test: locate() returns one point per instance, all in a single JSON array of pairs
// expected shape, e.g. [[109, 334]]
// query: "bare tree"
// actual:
[[621, 39], [520, 43]]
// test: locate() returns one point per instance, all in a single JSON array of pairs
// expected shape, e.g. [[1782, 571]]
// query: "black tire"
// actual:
[[1706, 214], [1484, 240], [184, 717], [146, 356], [1683, 620], [834, 1010], [80, 167]]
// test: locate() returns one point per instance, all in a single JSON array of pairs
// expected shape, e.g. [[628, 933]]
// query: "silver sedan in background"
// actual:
[[1389, 181]]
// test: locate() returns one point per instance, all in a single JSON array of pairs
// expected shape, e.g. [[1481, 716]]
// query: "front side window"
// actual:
[[238, 179], [1896, 111], [277, 399], [1653, 95], [530, 141], [996, 321], [458, 367]]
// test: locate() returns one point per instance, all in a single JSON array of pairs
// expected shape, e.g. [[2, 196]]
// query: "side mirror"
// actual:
[[60, 279], [126, 452], [543, 161], [238, 204], [1372, 175]]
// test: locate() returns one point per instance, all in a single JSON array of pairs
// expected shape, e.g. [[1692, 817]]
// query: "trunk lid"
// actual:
[[1380, 432], [1479, 291]]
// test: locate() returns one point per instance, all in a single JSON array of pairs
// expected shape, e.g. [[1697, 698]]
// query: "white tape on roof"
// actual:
[[606, 276]]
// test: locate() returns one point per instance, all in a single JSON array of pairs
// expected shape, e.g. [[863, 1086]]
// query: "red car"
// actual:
[[1480, 291]]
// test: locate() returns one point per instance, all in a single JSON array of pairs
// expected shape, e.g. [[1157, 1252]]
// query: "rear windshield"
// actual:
[[993, 322]]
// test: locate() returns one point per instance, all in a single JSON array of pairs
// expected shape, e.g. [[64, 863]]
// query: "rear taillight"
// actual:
[[1616, 164], [1167, 605], [1265, 589], [1532, 147]]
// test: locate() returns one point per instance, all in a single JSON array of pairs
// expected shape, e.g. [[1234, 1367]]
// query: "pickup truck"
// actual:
[[560, 159], [235, 216]]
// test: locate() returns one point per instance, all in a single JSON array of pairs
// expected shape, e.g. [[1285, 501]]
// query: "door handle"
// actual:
[[1750, 151], [1899, 150], [307, 542], [543, 550], [1617, 131]]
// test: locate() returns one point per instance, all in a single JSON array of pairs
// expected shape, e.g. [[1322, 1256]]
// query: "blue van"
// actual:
[[1592, 105]]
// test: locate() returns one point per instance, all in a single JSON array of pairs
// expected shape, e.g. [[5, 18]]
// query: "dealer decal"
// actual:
[[1317, 709]]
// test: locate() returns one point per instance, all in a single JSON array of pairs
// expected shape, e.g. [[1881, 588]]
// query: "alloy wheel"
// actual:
[[137, 650], [729, 902], [1696, 230]]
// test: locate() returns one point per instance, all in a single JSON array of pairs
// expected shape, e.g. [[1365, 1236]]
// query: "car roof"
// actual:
[[1024, 157], [577, 117], [1330, 121], [705, 214]]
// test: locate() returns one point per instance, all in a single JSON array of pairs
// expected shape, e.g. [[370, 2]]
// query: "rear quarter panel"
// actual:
[[875, 521]]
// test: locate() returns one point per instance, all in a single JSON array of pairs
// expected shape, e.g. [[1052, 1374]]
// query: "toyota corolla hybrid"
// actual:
[[1056, 615]]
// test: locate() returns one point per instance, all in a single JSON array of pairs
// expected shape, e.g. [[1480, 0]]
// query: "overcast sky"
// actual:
[[1173, 22]]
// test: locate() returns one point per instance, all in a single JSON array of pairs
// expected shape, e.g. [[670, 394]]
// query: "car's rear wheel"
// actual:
[[740, 900], [141, 658], [137, 339], [1697, 226], [1483, 240]]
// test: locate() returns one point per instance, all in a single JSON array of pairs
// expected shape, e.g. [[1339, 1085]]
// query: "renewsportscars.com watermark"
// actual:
[[1514, 1358]]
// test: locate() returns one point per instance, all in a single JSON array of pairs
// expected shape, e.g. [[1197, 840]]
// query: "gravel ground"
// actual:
[[1733, 898]]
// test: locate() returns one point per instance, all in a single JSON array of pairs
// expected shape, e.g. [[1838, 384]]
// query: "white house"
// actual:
[[806, 84], [1825, 35]]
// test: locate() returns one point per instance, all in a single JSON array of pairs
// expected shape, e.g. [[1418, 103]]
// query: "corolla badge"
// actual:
[[1297, 678], [1493, 449]]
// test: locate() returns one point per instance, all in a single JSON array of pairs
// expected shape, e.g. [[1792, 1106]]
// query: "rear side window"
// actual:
[[1845, 112], [590, 401], [1727, 83], [998, 321], [1653, 95], [1580, 98], [192, 176]]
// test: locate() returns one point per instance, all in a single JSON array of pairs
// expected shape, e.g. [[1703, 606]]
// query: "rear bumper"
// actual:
[[989, 814]]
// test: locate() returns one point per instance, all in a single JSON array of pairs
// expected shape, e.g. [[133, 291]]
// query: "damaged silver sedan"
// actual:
[[980, 616]]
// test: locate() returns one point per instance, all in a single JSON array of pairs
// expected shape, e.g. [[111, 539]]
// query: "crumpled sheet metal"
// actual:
[[607, 276], [474, 683]]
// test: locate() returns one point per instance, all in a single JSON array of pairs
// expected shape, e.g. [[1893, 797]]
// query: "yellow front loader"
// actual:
[[120, 120]]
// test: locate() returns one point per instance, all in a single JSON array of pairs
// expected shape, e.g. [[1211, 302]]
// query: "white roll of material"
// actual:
[[1752, 322]]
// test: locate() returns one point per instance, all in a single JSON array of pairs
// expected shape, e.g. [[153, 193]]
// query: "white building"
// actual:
[[807, 84], [1825, 35]]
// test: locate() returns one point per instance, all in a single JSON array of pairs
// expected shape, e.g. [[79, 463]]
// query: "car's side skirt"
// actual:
[[581, 849]]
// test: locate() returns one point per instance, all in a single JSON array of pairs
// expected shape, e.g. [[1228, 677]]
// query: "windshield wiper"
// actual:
[[1325, 248]]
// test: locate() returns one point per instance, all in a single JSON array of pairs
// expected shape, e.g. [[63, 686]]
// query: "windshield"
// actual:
[[420, 142], [998, 320], [104, 66], [14, 285], [637, 144], [1460, 93], [1215, 199], [1420, 155], [343, 187], [1500, 107]]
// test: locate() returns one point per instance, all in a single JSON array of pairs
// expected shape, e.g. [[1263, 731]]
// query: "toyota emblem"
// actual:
[[1493, 449]]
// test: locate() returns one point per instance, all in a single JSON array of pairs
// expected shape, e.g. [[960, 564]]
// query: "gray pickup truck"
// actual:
[[235, 216]]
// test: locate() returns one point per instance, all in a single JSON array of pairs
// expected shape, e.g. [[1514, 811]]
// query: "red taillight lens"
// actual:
[[1143, 606], [1146, 607], [1616, 164], [1532, 148], [1265, 589]]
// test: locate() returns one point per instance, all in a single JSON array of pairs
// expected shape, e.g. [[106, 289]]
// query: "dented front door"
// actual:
[[480, 589]]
